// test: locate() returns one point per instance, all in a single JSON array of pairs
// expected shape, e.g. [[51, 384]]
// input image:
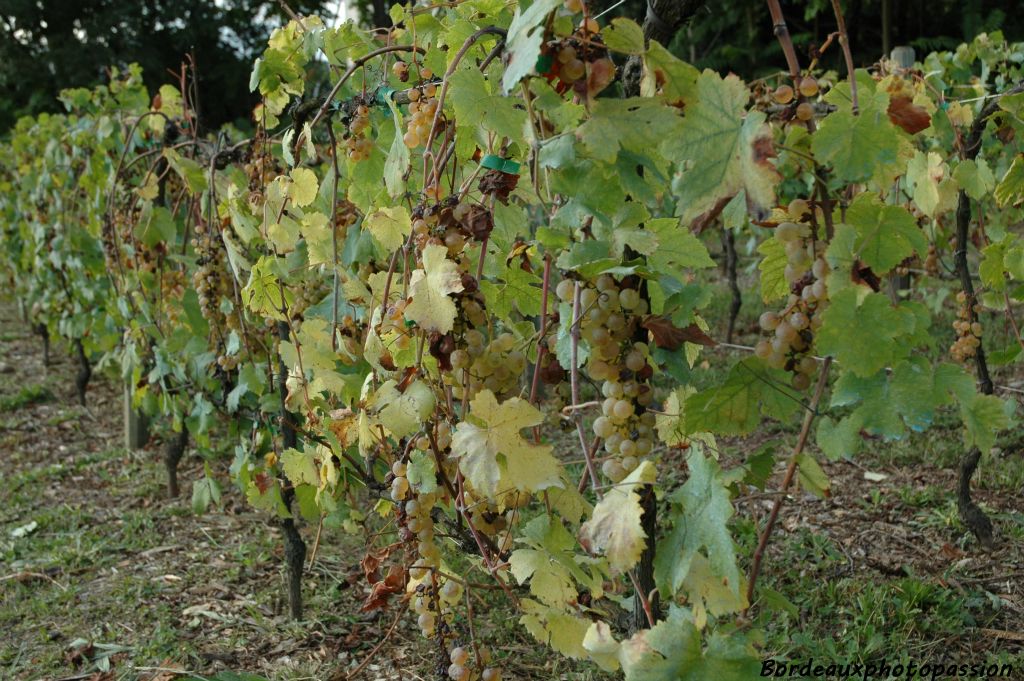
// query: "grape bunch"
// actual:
[[496, 365], [794, 326], [610, 315], [359, 144], [931, 261], [968, 330], [807, 87], [466, 668], [582, 62], [422, 108], [307, 293]]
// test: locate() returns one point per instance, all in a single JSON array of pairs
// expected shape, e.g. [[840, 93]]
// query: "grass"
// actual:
[[859, 577], [25, 397]]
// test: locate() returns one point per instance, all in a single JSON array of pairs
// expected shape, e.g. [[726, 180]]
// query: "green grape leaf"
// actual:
[[672, 651], [984, 416], [665, 73], [264, 294], [811, 477], [727, 151], [191, 172], [773, 270], [700, 514], [676, 250], [519, 290], [839, 440], [628, 124], [1010, 189], [402, 413], [871, 313], [205, 491], [975, 177], [860, 147], [522, 44], [422, 472], [926, 174], [550, 581], [735, 407], [614, 527], [624, 35], [316, 231], [475, 105], [156, 225], [492, 453], [563, 631], [300, 467], [398, 156], [432, 308], [389, 226], [601, 646], [886, 235]]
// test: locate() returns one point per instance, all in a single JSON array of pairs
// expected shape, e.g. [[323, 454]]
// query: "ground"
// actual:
[[99, 570]]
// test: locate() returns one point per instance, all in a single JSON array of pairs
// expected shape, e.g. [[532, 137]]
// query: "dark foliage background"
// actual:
[[47, 45]]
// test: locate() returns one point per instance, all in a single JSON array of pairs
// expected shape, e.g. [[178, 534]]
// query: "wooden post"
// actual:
[[136, 424], [903, 56]]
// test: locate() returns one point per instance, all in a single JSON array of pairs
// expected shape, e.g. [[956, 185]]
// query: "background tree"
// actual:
[[47, 46]]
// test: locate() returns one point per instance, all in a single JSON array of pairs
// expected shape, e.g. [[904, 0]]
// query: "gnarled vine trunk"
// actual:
[[970, 513], [44, 334], [663, 20], [84, 370], [294, 546], [174, 449], [729, 246]]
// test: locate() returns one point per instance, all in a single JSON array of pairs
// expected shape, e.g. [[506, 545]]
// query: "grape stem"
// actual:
[[844, 42], [541, 345], [805, 430], [574, 375]]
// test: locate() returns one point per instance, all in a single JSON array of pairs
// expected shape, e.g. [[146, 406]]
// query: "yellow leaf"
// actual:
[[390, 227], [304, 187], [431, 306], [493, 430], [614, 528]]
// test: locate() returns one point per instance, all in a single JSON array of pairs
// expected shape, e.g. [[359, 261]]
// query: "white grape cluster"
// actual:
[[360, 146], [610, 314], [968, 330], [422, 108], [794, 326], [464, 667], [496, 365]]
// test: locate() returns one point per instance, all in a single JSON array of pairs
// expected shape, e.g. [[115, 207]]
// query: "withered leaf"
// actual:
[[668, 336], [907, 115]]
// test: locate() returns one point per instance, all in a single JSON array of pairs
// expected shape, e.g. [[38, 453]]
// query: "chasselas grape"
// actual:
[[611, 312], [793, 327]]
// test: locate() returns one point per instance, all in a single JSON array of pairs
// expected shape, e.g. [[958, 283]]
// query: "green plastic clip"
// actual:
[[384, 93], [544, 63], [504, 165]]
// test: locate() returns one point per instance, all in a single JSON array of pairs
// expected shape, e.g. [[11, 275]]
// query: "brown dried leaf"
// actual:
[[670, 337], [382, 590], [907, 115]]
